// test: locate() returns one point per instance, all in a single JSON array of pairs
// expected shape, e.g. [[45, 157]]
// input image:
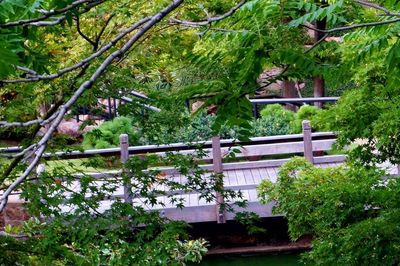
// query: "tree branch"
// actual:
[[209, 19], [98, 37], [378, 7], [78, 28], [317, 43], [83, 62], [42, 143], [39, 121], [10, 189], [354, 26], [48, 14]]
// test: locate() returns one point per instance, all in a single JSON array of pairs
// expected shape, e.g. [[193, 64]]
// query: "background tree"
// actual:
[[352, 211]]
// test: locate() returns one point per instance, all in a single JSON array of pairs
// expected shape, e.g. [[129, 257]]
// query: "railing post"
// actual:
[[124, 145], [40, 169], [307, 140], [217, 167]]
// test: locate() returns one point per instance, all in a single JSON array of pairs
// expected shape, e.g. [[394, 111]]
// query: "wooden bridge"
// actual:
[[244, 175]]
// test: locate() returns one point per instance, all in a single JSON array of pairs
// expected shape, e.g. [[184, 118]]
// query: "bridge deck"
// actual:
[[244, 175], [199, 210]]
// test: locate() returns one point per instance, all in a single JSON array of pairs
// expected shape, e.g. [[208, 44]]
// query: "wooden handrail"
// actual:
[[177, 146], [294, 100]]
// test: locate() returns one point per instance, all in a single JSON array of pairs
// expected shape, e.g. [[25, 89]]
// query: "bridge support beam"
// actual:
[[307, 140], [218, 171]]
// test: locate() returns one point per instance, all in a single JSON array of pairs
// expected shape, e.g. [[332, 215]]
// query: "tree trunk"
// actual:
[[289, 91], [319, 89]]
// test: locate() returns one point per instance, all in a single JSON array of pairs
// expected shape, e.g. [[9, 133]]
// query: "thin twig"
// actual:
[[209, 19], [48, 14], [354, 26], [84, 36], [84, 61], [378, 7]]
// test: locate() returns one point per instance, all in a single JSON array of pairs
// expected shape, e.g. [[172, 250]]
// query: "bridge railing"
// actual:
[[255, 150]]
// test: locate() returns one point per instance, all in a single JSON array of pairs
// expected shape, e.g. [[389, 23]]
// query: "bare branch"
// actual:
[[47, 14], [15, 183], [354, 26], [20, 124], [84, 61], [317, 43], [40, 121], [378, 7], [98, 37], [53, 22], [78, 28], [42, 143], [209, 20], [27, 70], [60, 19]]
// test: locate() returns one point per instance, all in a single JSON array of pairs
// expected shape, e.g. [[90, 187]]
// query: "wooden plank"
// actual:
[[256, 175], [217, 168], [194, 199], [182, 148], [264, 173], [252, 195], [202, 201], [207, 213], [272, 175], [248, 176], [330, 159], [246, 195], [191, 214], [279, 148], [231, 178], [155, 148], [240, 177], [254, 164], [294, 100]]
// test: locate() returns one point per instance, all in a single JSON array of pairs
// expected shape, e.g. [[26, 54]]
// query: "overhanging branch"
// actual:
[[83, 62], [209, 19], [40, 146], [354, 26], [49, 14]]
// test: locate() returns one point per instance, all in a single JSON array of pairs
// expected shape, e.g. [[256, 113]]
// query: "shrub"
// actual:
[[200, 128], [274, 120], [306, 112], [107, 134], [352, 213]]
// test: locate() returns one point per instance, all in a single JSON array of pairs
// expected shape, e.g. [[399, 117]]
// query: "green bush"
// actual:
[[352, 213], [200, 128], [274, 120], [306, 112], [107, 134]]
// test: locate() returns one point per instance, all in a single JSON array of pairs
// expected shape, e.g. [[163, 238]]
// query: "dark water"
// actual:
[[253, 260]]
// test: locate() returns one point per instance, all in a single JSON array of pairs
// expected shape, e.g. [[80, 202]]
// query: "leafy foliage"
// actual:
[[107, 134], [79, 229], [275, 120], [351, 212]]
